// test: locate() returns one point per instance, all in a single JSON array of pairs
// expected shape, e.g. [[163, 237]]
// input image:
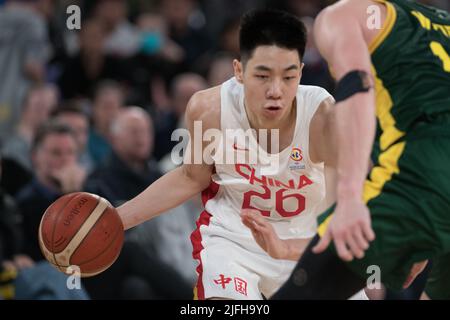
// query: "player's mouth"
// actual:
[[272, 110]]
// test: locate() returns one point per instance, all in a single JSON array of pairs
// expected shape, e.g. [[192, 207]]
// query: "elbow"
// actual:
[[197, 181]]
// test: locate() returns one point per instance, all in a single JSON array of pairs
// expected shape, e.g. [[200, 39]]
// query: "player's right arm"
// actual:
[[341, 40], [182, 183]]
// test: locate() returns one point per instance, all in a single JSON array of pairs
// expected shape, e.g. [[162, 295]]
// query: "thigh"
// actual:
[[408, 195], [438, 283], [224, 272]]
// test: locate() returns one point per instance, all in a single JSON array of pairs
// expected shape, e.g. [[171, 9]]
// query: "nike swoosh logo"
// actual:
[[235, 147]]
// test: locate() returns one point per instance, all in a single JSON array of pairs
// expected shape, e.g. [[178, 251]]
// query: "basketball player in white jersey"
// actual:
[[264, 94]]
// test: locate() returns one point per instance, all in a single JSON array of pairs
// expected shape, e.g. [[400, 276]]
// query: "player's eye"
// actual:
[[289, 78], [262, 76]]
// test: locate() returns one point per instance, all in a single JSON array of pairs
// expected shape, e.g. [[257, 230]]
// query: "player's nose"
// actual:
[[274, 91]]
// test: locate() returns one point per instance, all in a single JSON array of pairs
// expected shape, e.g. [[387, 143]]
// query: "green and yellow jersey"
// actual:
[[411, 64]]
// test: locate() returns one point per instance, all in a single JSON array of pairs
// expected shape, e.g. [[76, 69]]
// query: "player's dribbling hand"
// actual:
[[350, 229], [264, 234]]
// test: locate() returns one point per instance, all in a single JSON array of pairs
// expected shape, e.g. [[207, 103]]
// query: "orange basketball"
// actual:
[[81, 230]]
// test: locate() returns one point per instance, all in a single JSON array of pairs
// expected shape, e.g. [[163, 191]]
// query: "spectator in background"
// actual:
[[54, 155], [72, 114], [122, 39], [315, 71], [108, 101], [229, 37], [127, 172], [304, 8], [11, 238], [129, 169], [220, 69], [227, 44], [24, 52], [55, 164], [183, 87], [10, 243], [38, 104], [187, 28], [219, 13], [20, 276], [90, 65], [156, 39]]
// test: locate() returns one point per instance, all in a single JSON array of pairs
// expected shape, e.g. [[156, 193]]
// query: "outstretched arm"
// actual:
[[180, 184], [340, 40]]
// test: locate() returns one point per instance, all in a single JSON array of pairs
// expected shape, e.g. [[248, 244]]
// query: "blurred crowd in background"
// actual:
[[94, 110]]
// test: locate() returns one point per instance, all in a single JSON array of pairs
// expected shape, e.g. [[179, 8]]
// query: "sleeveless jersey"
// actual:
[[289, 193], [411, 64]]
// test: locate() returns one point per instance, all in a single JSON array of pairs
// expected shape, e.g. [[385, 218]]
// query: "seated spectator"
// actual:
[[129, 169], [128, 172], [108, 101], [90, 66], [23, 55], [20, 276], [122, 39], [183, 87], [54, 155], [36, 109], [72, 114]]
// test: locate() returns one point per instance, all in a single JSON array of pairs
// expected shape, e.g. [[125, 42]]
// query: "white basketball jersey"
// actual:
[[290, 193]]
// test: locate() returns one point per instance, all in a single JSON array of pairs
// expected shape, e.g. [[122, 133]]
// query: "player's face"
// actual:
[[270, 78]]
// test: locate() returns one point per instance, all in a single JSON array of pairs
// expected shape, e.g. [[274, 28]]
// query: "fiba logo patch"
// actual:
[[296, 154], [297, 157]]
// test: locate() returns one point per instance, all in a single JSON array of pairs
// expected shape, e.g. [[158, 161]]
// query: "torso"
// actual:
[[288, 195]]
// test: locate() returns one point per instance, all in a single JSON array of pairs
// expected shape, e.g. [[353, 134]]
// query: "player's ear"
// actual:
[[238, 70], [301, 70]]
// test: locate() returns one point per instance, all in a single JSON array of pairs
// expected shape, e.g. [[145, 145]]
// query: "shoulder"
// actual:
[[318, 93], [323, 115], [204, 106], [321, 131], [345, 13]]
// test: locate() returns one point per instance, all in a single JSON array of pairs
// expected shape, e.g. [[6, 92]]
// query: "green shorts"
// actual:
[[438, 283], [408, 195]]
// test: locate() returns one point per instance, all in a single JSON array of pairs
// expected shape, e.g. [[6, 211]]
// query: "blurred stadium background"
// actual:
[[121, 84]]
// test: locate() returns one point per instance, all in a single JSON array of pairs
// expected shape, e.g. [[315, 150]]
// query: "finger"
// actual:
[[342, 250], [261, 229], [368, 231], [360, 240], [355, 250], [248, 223], [323, 243], [249, 212]]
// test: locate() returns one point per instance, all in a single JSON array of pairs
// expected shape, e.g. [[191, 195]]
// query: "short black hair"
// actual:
[[271, 27]]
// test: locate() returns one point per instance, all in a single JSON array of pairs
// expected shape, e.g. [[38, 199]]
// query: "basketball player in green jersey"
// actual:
[[393, 106]]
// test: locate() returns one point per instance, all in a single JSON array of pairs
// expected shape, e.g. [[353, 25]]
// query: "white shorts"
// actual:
[[231, 265]]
